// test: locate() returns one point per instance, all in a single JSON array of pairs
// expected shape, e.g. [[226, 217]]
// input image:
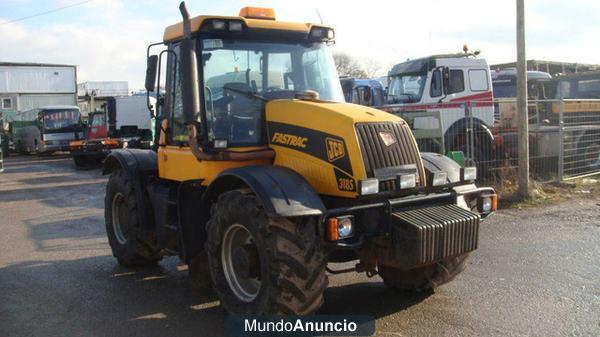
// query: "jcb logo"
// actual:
[[335, 149]]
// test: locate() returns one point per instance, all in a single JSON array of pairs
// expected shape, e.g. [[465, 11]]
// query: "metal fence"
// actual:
[[564, 136]]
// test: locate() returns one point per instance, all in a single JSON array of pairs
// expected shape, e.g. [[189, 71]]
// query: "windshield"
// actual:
[[504, 88], [98, 120], [406, 88], [239, 75], [60, 119]]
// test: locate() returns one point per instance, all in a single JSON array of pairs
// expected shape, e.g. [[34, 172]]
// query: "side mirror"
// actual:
[[446, 80], [151, 72]]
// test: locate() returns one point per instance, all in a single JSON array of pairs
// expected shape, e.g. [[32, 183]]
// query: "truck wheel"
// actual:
[[261, 265], [129, 244], [423, 278], [590, 153], [80, 161]]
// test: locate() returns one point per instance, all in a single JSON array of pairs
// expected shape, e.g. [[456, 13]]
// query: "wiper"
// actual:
[[248, 93]]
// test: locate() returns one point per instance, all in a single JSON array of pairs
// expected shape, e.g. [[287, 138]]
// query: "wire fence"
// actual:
[[564, 136]]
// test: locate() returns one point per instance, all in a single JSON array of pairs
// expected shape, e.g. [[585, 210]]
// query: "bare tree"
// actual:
[[372, 67], [347, 65]]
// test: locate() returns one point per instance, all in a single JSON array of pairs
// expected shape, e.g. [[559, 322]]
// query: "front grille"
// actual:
[[427, 235], [376, 155]]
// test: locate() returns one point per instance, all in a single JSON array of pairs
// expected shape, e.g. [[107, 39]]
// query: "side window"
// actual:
[[7, 103], [378, 97], [178, 133], [478, 80], [564, 90], [366, 96], [457, 81], [356, 95], [436, 84]]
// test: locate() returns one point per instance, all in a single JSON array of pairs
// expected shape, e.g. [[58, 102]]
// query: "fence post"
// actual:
[[522, 111], [471, 132], [561, 136]]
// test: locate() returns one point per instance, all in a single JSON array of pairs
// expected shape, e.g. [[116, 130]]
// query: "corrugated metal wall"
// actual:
[[33, 79]]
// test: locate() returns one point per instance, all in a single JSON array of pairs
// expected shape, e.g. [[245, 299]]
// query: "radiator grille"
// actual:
[[376, 155], [427, 235]]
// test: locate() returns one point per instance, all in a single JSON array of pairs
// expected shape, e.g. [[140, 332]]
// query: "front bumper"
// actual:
[[415, 230]]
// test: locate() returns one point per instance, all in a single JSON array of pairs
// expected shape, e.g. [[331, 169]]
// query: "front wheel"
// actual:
[[261, 265], [423, 278]]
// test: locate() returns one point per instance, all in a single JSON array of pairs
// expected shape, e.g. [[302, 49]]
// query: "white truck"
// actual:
[[448, 101]]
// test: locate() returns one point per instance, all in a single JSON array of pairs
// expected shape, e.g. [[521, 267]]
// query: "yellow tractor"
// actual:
[[262, 174]]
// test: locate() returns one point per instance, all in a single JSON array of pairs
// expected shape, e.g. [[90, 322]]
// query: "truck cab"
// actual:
[[363, 91], [443, 97]]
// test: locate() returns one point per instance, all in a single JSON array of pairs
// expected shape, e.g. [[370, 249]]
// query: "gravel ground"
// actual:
[[536, 272]]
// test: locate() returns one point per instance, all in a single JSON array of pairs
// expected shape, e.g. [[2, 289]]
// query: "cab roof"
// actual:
[[175, 32]]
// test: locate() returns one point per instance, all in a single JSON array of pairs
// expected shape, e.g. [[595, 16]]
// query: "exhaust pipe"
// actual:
[[188, 72]]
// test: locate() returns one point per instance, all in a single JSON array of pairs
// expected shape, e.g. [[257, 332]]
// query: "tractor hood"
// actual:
[[336, 145]]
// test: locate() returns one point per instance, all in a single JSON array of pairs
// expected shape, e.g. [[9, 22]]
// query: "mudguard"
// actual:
[[283, 192], [138, 164], [436, 162], [134, 161]]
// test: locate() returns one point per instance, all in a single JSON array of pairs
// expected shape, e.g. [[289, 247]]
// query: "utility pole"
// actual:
[[522, 110]]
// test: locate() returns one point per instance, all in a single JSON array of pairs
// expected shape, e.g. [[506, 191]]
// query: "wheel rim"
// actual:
[[117, 223], [592, 155], [240, 262]]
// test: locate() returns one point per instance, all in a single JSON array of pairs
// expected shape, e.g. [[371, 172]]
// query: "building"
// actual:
[[551, 67], [26, 86]]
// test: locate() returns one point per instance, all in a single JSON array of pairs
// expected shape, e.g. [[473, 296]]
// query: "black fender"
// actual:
[[433, 162], [282, 191], [133, 161], [139, 164]]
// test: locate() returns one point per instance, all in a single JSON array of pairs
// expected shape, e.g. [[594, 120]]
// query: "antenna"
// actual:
[[319, 14]]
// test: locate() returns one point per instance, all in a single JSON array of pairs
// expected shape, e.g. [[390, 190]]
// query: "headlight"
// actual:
[[322, 34], [469, 173], [218, 25], [369, 186], [488, 203], [235, 26], [407, 181], [439, 178], [341, 227]]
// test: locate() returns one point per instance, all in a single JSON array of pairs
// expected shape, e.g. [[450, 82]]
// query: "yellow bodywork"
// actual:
[[179, 164], [576, 106], [330, 118]]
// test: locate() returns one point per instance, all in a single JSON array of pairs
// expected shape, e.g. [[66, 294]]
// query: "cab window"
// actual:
[[177, 131], [436, 84], [457, 81]]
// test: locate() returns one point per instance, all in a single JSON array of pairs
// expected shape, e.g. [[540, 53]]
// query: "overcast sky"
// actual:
[[107, 39]]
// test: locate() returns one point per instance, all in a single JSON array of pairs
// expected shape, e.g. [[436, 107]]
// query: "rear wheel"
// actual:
[[130, 243], [423, 278], [262, 265]]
